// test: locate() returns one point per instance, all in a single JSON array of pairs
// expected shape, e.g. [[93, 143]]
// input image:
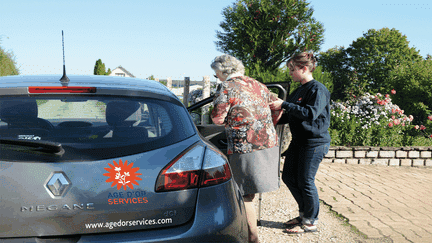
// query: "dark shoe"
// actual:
[[293, 222], [301, 229]]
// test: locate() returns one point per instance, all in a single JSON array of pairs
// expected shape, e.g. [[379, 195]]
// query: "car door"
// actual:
[[216, 133]]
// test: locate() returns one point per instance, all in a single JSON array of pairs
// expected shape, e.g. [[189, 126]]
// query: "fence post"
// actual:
[[186, 91], [206, 93], [169, 83]]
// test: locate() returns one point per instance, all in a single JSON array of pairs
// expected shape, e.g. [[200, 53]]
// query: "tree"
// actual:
[[7, 63], [151, 77], [323, 77], [335, 62], [164, 82], [365, 65], [99, 68], [265, 33], [377, 53], [319, 75], [413, 84], [278, 75]]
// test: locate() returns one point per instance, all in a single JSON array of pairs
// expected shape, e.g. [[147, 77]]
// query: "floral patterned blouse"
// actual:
[[243, 103]]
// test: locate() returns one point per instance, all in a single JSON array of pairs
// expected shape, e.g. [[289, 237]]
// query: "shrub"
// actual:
[[413, 83], [373, 120], [7, 63]]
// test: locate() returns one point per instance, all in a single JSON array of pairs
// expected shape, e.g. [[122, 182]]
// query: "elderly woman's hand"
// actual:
[[276, 105]]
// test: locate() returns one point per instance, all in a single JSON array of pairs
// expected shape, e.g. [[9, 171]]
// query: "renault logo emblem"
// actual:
[[58, 184]]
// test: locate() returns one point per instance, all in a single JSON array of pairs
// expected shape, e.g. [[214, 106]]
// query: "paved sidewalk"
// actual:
[[380, 201]]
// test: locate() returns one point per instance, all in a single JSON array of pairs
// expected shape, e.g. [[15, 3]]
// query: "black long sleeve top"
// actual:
[[307, 110]]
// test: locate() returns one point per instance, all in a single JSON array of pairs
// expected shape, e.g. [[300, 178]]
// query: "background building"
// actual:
[[122, 72]]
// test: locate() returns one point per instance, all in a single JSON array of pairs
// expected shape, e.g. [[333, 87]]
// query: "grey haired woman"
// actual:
[[241, 104]]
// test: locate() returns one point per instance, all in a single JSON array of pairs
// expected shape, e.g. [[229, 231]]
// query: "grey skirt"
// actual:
[[256, 172]]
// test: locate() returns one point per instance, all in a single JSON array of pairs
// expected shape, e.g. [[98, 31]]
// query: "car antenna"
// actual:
[[64, 79]]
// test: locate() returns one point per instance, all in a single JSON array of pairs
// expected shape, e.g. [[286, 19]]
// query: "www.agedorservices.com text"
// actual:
[[128, 223]]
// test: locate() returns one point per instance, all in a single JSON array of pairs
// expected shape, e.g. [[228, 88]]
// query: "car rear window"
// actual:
[[92, 127]]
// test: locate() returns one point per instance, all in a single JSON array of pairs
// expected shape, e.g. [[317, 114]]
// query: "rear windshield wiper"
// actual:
[[45, 146]]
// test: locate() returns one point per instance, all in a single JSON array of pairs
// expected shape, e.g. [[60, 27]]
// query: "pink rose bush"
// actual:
[[373, 120]]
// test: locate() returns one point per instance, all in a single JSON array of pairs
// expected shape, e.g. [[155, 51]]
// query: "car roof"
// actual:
[[106, 85]]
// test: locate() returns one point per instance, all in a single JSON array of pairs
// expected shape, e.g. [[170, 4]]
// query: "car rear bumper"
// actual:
[[219, 217], [215, 220]]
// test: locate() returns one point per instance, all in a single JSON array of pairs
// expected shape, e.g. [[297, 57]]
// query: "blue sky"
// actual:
[[172, 38]]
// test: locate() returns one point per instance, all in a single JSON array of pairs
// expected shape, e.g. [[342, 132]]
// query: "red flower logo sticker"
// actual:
[[122, 174]]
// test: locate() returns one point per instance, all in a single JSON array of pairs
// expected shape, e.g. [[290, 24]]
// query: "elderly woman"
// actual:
[[242, 104]]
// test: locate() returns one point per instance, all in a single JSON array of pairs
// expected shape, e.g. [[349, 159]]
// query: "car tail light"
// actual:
[[215, 168], [58, 89], [196, 167]]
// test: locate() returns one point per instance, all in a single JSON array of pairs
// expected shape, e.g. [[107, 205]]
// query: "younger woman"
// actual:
[[307, 110]]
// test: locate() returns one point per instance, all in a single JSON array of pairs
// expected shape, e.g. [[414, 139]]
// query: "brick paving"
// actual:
[[380, 201]]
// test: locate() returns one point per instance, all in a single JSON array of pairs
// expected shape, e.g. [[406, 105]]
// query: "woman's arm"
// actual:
[[276, 114], [315, 105], [221, 106]]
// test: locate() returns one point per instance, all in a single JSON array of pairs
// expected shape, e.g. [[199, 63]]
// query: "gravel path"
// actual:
[[279, 206]]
